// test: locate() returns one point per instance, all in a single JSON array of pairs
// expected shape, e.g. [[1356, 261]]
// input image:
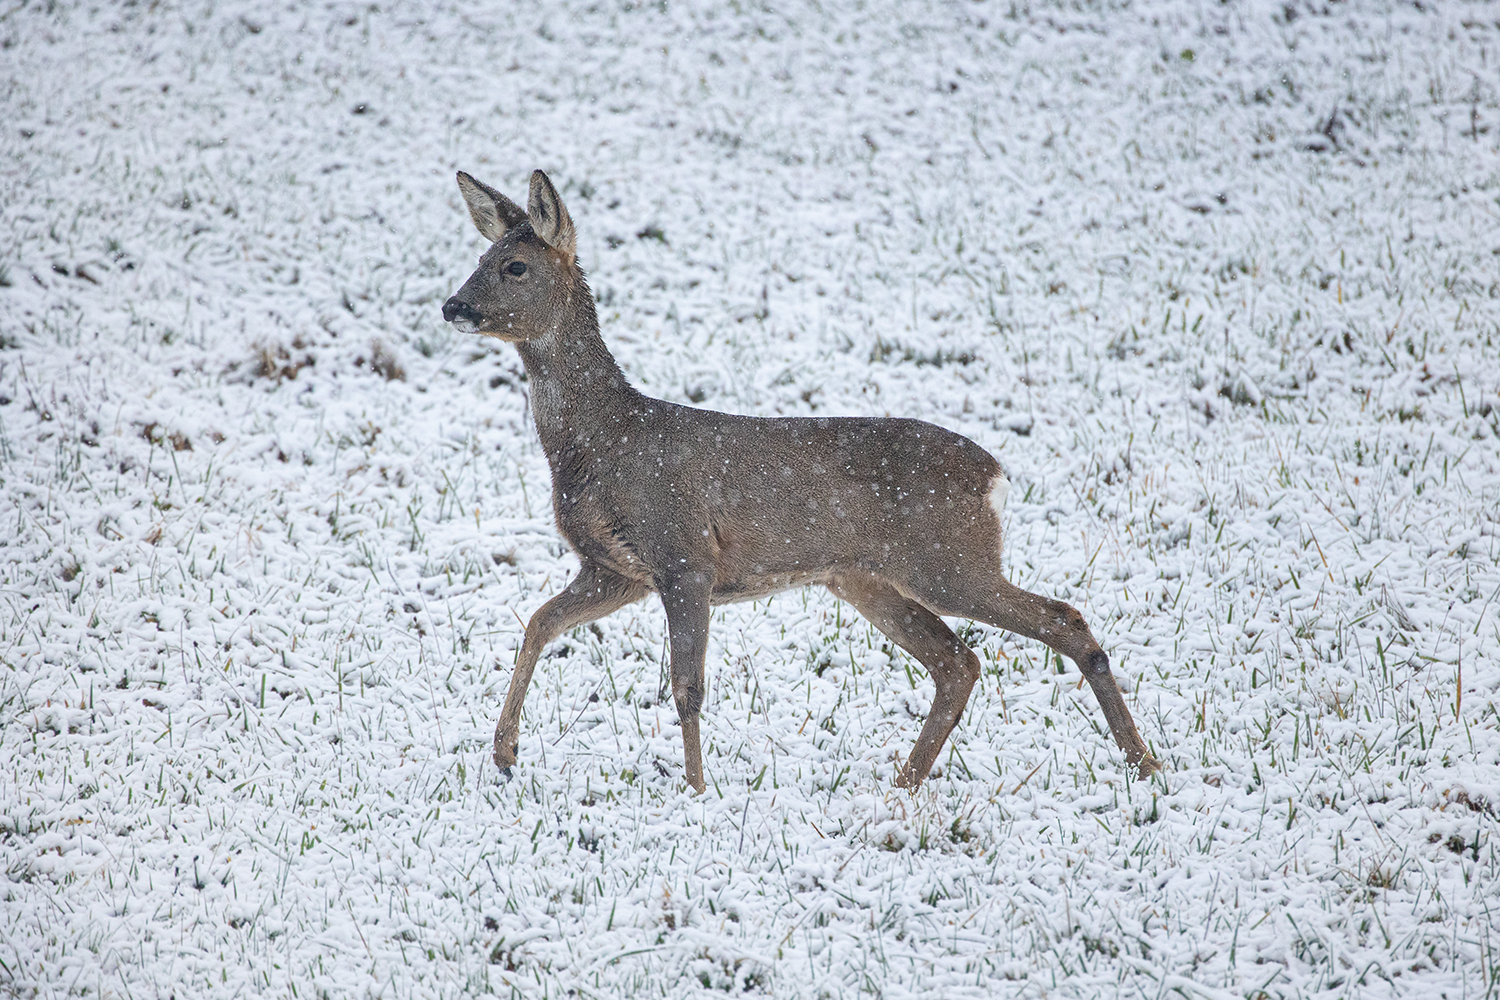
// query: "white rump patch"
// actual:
[[999, 493]]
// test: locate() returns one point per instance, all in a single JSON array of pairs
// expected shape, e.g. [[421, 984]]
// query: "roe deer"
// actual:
[[900, 518]]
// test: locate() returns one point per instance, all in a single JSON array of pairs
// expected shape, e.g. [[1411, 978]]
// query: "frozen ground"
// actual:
[[1216, 282]]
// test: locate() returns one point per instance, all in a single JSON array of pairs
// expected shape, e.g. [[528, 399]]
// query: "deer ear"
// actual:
[[549, 220], [492, 212]]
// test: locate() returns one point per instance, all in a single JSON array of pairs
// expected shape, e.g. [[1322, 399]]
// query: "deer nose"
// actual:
[[456, 309]]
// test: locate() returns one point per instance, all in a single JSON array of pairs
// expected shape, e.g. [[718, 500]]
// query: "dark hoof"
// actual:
[[504, 760], [505, 775]]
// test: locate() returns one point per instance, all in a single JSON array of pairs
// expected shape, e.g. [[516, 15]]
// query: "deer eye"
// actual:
[[517, 268]]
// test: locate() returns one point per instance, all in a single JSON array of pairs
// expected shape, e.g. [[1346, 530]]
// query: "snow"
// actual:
[[1217, 284]]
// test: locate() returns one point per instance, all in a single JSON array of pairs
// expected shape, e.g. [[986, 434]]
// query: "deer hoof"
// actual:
[[505, 757], [1146, 766], [506, 775]]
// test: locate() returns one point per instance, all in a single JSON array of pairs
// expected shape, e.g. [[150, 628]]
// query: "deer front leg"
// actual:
[[686, 600], [953, 666], [593, 593]]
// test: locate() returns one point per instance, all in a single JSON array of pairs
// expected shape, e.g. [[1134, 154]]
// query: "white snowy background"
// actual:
[[1219, 283]]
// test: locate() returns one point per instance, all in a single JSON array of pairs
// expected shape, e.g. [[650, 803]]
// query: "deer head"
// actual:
[[529, 277]]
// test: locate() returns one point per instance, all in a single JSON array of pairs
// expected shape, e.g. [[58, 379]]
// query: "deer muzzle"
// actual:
[[462, 315]]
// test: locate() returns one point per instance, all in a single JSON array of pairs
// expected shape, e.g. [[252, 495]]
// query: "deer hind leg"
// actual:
[[953, 666], [1063, 629], [592, 594]]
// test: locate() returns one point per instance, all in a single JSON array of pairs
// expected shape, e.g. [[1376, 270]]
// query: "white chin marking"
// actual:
[[465, 325]]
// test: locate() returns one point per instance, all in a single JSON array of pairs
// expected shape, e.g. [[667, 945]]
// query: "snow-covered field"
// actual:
[[1218, 283]]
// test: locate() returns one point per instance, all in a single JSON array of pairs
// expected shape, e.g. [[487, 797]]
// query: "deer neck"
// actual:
[[575, 383]]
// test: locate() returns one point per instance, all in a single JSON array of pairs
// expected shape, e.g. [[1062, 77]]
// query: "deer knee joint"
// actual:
[[968, 667], [1096, 664], [688, 696]]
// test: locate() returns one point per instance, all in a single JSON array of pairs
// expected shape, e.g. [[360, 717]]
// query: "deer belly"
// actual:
[[752, 587], [758, 560]]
